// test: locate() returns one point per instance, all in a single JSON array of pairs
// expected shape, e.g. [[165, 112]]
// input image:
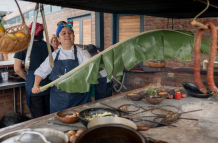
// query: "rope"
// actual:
[[208, 4]]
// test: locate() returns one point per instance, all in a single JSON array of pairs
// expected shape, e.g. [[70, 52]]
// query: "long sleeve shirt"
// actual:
[[45, 69]]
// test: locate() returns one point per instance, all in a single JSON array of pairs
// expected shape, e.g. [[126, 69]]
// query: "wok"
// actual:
[[94, 111], [116, 120]]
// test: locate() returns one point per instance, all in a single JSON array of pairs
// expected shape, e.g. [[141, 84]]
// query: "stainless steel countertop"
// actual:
[[11, 84]]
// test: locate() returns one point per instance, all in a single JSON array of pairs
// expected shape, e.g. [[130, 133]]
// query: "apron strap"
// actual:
[[56, 58], [75, 53]]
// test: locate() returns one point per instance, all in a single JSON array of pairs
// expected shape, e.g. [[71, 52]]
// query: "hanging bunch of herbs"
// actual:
[[150, 91], [146, 46]]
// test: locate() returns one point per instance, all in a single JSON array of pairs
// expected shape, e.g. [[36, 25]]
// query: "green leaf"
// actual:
[[146, 46]]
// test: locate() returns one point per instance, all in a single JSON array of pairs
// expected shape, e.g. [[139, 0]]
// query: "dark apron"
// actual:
[[100, 88], [61, 100], [30, 78]]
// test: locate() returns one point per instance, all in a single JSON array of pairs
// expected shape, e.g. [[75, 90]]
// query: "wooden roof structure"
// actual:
[[159, 8]]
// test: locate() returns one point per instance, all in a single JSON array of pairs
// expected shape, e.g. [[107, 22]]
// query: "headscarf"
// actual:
[[39, 27], [63, 24], [53, 36]]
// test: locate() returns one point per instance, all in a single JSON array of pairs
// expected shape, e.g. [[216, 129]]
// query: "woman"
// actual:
[[37, 103], [66, 58], [54, 42]]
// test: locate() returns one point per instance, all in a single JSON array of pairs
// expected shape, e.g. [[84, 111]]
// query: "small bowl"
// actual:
[[152, 99], [60, 116], [157, 64], [135, 96]]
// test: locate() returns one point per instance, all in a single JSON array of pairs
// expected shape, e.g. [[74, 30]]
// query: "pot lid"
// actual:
[[38, 135]]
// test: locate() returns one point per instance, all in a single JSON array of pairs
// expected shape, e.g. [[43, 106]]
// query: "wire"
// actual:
[[118, 90], [215, 6], [208, 4]]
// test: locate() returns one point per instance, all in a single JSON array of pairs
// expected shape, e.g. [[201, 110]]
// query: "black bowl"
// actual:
[[93, 111], [193, 88]]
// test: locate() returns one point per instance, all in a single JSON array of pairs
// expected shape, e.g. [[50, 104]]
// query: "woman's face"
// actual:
[[66, 36], [55, 43]]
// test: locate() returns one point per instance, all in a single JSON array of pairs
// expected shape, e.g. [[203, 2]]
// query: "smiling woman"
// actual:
[[65, 59]]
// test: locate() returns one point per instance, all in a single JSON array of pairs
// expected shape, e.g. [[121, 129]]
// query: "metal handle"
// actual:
[[31, 132]]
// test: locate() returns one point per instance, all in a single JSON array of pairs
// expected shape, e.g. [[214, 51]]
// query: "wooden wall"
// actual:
[[128, 26]]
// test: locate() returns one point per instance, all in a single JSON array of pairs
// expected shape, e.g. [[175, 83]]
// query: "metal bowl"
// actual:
[[110, 133], [135, 96], [94, 111], [61, 116]]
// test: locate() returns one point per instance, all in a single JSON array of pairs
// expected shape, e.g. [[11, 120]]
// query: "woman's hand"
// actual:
[[35, 89]]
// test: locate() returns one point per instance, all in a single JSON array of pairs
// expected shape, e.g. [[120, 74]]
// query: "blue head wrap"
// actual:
[[63, 24]]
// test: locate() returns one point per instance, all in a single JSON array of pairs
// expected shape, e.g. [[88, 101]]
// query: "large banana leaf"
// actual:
[[157, 44]]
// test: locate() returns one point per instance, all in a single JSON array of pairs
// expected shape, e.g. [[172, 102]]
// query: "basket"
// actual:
[[12, 45]]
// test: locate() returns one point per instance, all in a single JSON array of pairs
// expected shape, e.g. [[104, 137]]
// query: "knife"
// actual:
[[57, 124]]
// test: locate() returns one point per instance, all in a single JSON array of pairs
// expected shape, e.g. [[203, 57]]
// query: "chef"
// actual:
[[37, 103], [54, 42], [66, 58]]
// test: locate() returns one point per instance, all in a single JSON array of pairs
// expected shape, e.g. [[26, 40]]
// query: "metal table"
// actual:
[[13, 84]]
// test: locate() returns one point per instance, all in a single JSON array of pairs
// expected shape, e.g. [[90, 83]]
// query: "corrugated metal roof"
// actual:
[[160, 8]]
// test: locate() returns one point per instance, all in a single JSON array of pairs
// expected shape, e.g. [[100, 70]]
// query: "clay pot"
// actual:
[[157, 64]]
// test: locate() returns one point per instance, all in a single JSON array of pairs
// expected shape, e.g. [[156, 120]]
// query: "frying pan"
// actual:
[[115, 120], [199, 95], [94, 111], [193, 88]]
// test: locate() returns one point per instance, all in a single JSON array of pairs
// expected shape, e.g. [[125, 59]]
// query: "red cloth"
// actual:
[[39, 27]]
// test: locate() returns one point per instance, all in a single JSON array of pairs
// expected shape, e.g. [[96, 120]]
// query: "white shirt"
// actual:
[[45, 69]]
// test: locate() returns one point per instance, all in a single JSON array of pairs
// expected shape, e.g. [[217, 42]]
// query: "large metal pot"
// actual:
[[38, 135], [110, 133], [116, 120]]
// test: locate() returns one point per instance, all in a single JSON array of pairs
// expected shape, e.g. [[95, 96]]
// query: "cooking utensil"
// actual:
[[110, 133], [115, 108], [37, 135], [75, 127], [93, 111], [193, 88], [135, 96], [115, 120], [139, 119], [61, 116], [129, 108], [199, 95]]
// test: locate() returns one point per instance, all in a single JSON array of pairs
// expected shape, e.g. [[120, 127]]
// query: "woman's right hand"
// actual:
[[35, 89]]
